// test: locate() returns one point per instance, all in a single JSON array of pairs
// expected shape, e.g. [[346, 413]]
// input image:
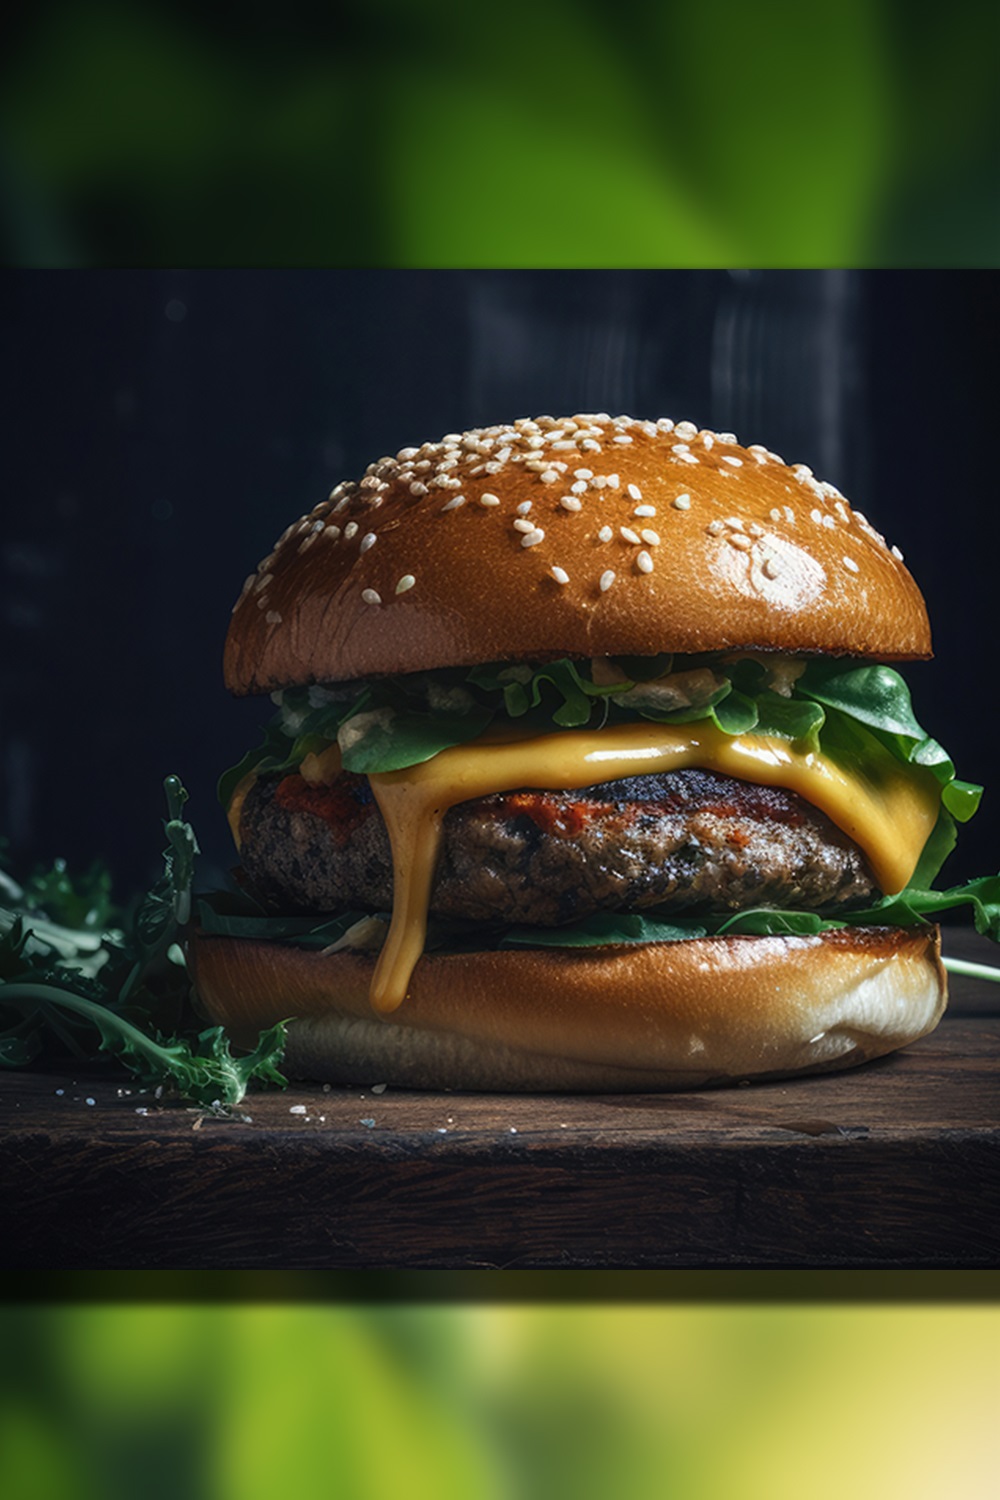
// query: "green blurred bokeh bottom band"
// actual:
[[180, 1401]]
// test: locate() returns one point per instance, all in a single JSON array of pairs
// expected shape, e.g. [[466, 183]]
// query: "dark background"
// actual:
[[161, 428]]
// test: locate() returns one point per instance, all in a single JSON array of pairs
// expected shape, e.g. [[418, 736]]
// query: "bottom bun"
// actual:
[[678, 1015]]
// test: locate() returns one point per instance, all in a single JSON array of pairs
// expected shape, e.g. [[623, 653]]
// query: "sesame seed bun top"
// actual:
[[583, 536]]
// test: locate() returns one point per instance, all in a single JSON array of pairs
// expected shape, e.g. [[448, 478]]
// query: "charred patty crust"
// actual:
[[689, 841]]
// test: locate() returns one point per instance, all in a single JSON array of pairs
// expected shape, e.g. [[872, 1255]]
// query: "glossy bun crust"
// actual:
[[581, 537], [649, 1016]]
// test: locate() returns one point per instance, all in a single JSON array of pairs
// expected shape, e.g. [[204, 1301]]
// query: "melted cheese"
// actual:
[[235, 807], [888, 811]]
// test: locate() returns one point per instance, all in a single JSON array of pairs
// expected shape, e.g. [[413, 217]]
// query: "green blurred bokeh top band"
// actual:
[[652, 134]]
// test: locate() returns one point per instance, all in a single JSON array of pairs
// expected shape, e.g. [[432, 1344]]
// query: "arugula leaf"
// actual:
[[601, 929], [93, 991], [388, 741], [878, 697], [205, 1071]]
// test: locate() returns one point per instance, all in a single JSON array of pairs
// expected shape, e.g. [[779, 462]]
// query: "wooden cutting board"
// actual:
[[896, 1164]]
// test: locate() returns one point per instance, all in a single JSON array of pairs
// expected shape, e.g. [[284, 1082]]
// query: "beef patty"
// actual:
[[688, 840]]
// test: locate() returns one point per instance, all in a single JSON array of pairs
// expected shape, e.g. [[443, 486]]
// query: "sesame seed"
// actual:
[[487, 499], [789, 515], [533, 538], [714, 527], [817, 516], [708, 440], [686, 430], [740, 542], [730, 458], [774, 513], [622, 437], [523, 508], [605, 534], [850, 563], [613, 481], [272, 617], [650, 537], [644, 510], [629, 535], [634, 492], [754, 529], [607, 579], [570, 502], [734, 523], [350, 530], [453, 504], [522, 525], [829, 522], [549, 476], [590, 446], [493, 467], [564, 445], [580, 488], [644, 562], [679, 447], [503, 455], [682, 502], [583, 473], [664, 424], [406, 582], [599, 482], [897, 554], [371, 597], [368, 541], [725, 437], [559, 574]]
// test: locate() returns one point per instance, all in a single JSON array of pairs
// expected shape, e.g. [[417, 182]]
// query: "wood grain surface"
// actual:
[[896, 1164]]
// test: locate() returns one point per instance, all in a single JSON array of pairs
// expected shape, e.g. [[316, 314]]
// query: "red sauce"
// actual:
[[343, 804], [560, 817]]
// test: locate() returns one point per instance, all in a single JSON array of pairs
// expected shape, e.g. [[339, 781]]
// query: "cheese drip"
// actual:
[[886, 809]]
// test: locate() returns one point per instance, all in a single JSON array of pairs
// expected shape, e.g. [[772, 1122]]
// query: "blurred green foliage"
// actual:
[[648, 133], [497, 1402]]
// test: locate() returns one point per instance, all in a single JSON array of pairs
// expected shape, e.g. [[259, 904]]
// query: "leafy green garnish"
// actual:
[[908, 908], [70, 980]]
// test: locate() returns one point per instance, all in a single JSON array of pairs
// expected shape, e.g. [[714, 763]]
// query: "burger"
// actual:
[[591, 769]]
